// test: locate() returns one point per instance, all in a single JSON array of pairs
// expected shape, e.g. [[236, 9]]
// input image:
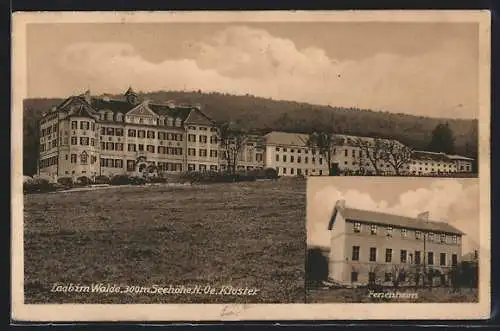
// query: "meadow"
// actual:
[[248, 234]]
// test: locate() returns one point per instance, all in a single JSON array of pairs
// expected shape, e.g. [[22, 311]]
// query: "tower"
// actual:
[[131, 96]]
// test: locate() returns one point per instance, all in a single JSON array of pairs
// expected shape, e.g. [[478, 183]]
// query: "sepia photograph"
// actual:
[[225, 158], [412, 240]]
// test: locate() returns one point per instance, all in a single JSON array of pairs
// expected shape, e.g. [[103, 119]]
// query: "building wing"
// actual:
[[352, 214]]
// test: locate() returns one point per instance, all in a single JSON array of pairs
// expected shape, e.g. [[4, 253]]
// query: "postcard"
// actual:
[[281, 165]]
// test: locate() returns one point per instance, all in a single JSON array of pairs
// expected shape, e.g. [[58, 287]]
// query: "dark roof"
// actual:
[[422, 155], [352, 214], [116, 106]]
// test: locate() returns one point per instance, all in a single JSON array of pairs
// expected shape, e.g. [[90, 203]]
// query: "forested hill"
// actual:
[[268, 114]]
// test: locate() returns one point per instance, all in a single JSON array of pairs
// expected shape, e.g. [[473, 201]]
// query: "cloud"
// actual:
[[246, 60], [448, 201]]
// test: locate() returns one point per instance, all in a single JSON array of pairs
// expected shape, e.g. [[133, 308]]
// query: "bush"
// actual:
[[84, 180], [270, 173], [38, 185], [157, 179], [66, 181], [120, 180], [137, 181], [102, 180]]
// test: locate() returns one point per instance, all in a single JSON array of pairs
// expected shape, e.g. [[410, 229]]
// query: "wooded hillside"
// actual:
[[267, 114]]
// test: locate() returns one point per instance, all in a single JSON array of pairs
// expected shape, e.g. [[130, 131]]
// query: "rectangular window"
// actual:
[[131, 147], [442, 259], [203, 167], [291, 158], [92, 142], [74, 125], [259, 157], [388, 255], [74, 141], [430, 236], [357, 227], [130, 165], [203, 152], [73, 158], [354, 276], [141, 147], [373, 229], [119, 132], [417, 257], [454, 260], [403, 233], [203, 139], [430, 258], [110, 131], [389, 231], [141, 133], [373, 254], [103, 131], [355, 253], [403, 256], [132, 133], [284, 158], [191, 167], [192, 138], [346, 152], [150, 148], [418, 235], [191, 151], [84, 140], [151, 134], [213, 153]]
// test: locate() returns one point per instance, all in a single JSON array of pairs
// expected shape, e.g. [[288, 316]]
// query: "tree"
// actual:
[[372, 149], [398, 275], [442, 140], [232, 139], [396, 154], [323, 138]]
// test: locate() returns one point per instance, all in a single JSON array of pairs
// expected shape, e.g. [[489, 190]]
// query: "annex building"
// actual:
[[91, 136], [369, 246]]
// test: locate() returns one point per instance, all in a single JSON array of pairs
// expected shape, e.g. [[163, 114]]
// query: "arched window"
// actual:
[[119, 117], [162, 120], [178, 122]]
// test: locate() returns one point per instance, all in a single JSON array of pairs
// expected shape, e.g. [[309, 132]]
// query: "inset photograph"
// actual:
[[392, 240]]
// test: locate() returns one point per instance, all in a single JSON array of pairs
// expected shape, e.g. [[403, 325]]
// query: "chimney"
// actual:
[[424, 216], [340, 204]]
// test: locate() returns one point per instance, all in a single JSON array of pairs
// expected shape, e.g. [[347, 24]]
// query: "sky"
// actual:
[[425, 69], [455, 201]]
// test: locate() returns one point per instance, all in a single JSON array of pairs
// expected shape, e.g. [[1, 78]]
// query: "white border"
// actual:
[[218, 312]]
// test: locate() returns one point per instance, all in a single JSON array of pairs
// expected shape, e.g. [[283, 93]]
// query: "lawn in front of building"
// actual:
[[248, 234]]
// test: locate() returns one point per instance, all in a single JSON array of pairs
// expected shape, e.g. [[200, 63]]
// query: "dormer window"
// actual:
[[418, 235], [357, 227], [443, 238], [454, 239], [373, 229], [430, 236], [403, 233], [389, 231]]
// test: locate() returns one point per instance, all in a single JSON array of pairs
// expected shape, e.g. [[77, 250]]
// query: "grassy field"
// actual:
[[435, 295], [241, 234]]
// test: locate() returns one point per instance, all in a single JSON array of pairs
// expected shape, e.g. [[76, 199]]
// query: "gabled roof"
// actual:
[[142, 109], [367, 216], [197, 117], [286, 138], [430, 156], [460, 157]]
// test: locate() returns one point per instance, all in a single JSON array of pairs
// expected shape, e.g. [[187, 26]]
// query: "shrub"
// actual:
[[66, 181], [137, 180], [157, 179], [120, 180], [270, 173], [38, 185], [102, 180], [84, 180]]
